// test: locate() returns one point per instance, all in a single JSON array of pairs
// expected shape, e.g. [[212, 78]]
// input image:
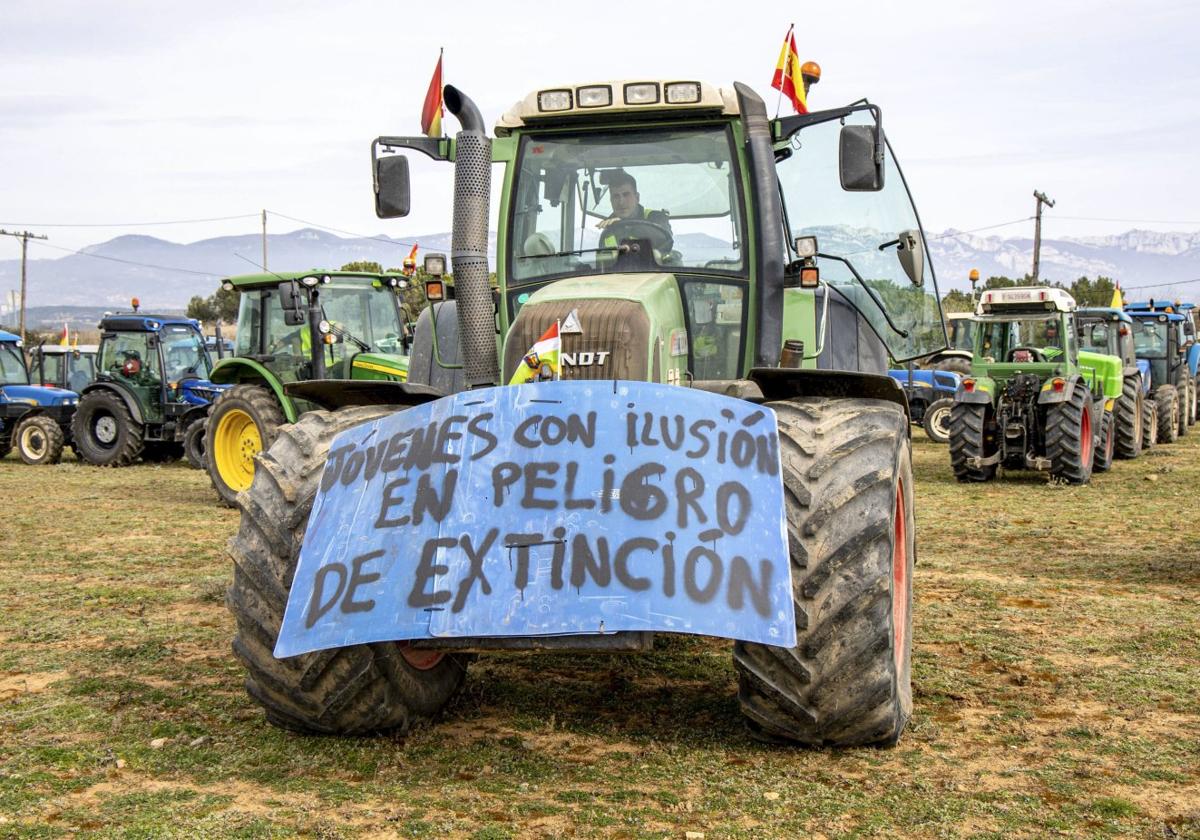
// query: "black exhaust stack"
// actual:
[[468, 250]]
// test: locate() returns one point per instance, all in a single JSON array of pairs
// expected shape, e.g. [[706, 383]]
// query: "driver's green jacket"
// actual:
[[658, 217]]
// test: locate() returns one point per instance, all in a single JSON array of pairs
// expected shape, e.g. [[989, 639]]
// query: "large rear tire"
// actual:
[[193, 444], [1149, 422], [1167, 400], [847, 478], [1128, 417], [955, 364], [937, 420], [971, 436], [1070, 438], [242, 422], [39, 440], [1104, 455], [344, 691], [1182, 391], [103, 432]]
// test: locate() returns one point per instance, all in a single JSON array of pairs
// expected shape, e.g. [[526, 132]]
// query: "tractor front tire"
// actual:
[[848, 490], [1182, 391], [1070, 442], [1104, 455], [937, 420], [969, 438], [242, 422], [1129, 419], [955, 365], [193, 445], [351, 690], [39, 440], [103, 432], [1167, 400]]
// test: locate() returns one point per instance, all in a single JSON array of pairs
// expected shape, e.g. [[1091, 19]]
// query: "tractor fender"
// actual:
[[982, 394], [239, 370], [135, 410], [1143, 367], [189, 417], [784, 383], [1049, 396], [1193, 359]]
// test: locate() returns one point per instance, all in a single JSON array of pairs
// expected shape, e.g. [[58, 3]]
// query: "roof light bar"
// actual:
[[554, 100], [682, 93], [594, 96], [641, 93]]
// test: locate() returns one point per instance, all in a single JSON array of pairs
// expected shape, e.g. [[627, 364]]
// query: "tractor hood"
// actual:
[[37, 395], [387, 366], [613, 326], [1109, 370]]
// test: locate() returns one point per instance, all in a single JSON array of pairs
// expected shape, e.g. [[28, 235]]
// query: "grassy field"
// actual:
[[1056, 689]]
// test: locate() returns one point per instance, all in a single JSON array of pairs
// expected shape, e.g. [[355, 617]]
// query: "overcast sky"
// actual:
[[123, 112]]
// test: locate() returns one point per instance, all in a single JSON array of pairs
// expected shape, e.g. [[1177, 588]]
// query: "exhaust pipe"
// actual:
[[468, 249]]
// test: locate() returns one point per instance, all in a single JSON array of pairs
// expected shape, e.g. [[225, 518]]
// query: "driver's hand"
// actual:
[[611, 220]]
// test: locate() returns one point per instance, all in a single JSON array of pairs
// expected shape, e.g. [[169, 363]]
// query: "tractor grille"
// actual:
[[619, 328]]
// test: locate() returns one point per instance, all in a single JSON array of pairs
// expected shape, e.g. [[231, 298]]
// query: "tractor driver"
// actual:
[[630, 220]]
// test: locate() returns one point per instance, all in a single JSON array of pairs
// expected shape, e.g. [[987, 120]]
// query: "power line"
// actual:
[[131, 262], [129, 224], [1131, 221], [382, 239], [978, 229], [1160, 285]]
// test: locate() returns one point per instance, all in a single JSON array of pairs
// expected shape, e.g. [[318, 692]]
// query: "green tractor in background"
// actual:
[[1034, 400], [306, 326], [1110, 331], [716, 280]]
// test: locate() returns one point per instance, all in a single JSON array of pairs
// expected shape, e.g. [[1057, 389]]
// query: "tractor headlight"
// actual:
[[435, 264], [806, 246], [641, 93], [598, 96], [227, 286], [310, 282], [554, 100], [683, 93], [324, 327]]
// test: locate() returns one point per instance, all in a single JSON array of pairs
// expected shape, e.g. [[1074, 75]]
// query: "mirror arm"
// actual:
[[437, 148], [788, 126], [870, 292]]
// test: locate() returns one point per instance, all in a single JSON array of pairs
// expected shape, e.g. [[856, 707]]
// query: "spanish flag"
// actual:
[[431, 113], [543, 361], [64, 340], [787, 74]]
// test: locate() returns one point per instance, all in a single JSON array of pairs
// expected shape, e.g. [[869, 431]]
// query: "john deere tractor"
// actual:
[[1135, 415], [35, 419], [150, 392], [1033, 400], [307, 326], [669, 232], [1161, 339]]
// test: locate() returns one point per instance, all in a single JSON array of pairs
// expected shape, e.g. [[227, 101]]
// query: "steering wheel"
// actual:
[[659, 235], [1035, 352]]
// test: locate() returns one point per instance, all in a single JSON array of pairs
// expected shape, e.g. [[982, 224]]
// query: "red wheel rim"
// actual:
[[899, 579], [419, 658], [1085, 434]]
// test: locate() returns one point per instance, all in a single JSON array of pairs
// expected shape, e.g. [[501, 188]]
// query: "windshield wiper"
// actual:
[[344, 333], [575, 253], [870, 292]]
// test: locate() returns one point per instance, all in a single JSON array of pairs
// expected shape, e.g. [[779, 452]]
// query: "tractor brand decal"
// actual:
[[570, 324], [586, 358], [560, 508]]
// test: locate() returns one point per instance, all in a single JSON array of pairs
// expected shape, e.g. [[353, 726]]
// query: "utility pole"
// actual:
[[264, 220], [1037, 231], [24, 236]]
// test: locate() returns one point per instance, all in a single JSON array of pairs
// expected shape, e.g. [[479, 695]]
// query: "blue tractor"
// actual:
[[1111, 331], [1190, 340], [1160, 338], [33, 419], [930, 398], [150, 395]]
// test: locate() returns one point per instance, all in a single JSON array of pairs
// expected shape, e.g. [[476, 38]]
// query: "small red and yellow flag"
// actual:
[[787, 74], [431, 112], [543, 362], [65, 339], [410, 262]]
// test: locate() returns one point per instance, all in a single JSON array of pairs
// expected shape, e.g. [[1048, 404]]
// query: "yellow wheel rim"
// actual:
[[235, 444]]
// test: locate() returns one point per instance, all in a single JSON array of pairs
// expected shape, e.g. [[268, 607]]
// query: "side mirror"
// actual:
[[911, 253], [292, 302], [856, 159], [1099, 335], [392, 198]]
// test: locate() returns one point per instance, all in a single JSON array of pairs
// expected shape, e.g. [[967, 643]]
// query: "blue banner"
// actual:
[[548, 509]]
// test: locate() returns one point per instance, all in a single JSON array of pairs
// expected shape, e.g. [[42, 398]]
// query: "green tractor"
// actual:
[[1034, 400], [361, 333], [669, 232], [1110, 331]]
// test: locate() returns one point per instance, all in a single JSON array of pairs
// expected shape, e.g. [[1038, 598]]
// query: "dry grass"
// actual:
[[1056, 675]]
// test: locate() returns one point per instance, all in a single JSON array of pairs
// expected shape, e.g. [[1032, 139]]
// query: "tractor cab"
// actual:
[[960, 334], [311, 330], [34, 418], [151, 385], [71, 367]]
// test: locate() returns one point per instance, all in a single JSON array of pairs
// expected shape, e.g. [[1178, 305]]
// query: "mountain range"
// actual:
[[165, 275]]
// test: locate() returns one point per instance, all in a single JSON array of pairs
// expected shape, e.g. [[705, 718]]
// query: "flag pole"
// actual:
[[787, 44], [441, 93]]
